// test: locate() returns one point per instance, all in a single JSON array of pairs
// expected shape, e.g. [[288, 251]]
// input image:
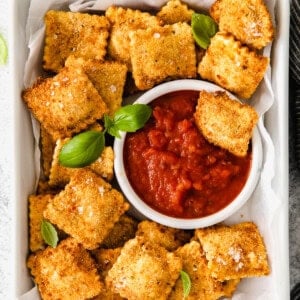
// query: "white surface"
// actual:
[[5, 163], [11, 113], [147, 211]]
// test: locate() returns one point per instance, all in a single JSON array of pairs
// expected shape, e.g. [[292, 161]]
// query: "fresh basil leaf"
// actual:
[[186, 283], [82, 149], [111, 127], [3, 51], [49, 234], [108, 122], [203, 28], [130, 118]]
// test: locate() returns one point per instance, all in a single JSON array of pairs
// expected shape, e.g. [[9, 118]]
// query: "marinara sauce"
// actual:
[[174, 169]]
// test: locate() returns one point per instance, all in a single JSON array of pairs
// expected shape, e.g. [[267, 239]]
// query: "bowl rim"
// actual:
[[148, 212]]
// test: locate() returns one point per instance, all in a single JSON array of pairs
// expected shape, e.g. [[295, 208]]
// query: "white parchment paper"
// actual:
[[263, 207]]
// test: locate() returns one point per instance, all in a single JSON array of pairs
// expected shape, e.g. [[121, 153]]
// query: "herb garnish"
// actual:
[[203, 29], [186, 283], [86, 147], [3, 51], [49, 233]]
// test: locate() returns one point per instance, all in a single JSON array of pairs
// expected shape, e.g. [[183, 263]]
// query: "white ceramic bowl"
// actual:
[[148, 212]]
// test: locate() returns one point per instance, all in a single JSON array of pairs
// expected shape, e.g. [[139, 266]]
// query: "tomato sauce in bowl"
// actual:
[[174, 169]]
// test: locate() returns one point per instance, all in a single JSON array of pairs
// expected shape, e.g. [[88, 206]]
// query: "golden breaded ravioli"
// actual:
[[204, 286], [66, 103], [87, 208], [105, 259], [167, 237], [162, 52], [124, 21], [122, 231], [233, 66], [215, 10], [108, 77], [79, 34], [234, 252], [144, 271], [47, 150], [232, 129], [66, 272], [37, 205], [175, 11], [248, 20]]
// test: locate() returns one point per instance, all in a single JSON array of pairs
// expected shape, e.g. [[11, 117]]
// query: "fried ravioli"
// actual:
[[66, 103], [144, 271], [232, 129], [79, 34], [174, 12], [162, 52], [37, 205], [66, 272], [105, 259], [124, 21], [234, 252], [108, 77], [233, 66], [87, 208], [47, 150], [124, 230], [167, 237], [204, 286], [248, 20]]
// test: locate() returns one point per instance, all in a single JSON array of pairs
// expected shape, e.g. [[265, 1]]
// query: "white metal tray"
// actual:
[[276, 121]]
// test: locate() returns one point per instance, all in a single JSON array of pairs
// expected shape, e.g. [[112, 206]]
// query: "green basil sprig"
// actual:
[[186, 283], [82, 149], [203, 29], [49, 233], [86, 147], [3, 51], [128, 118]]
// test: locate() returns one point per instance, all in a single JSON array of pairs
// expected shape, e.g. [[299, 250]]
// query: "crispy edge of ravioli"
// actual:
[[65, 272], [125, 20], [233, 66], [144, 271], [175, 11], [215, 10], [66, 103], [204, 286], [87, 208], [166, 237], [80, 34], [108, 77], [47, 149], [124, 230], [162, 52], [105, 259], [37, 205], [233, 128], [234, 252]]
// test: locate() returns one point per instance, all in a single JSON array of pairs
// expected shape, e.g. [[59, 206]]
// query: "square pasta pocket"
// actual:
[[66, 272], [87, 208], [66, 103], [162, 52], [144, 271], [82, 35]]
